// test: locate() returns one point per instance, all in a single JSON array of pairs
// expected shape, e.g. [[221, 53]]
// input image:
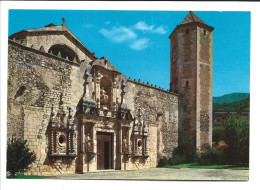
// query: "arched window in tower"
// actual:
[[20, 92], [64, 52], [187, 31], [204, 32], [187, 83]]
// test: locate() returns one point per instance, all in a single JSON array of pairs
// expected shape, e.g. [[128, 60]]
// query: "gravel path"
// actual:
[[164, 174]]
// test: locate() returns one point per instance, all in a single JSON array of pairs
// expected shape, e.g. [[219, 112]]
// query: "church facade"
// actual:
[[78, 113]]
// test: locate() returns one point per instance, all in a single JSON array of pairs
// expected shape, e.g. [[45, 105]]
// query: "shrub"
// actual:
[[237, 138], [218, 134], [212, 156], [162, 162], [221, 145], [187, 149], [19, 156], [176, 159]]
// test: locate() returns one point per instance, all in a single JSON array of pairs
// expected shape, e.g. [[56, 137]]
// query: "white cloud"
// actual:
[[160, 30], [108, 22], [118, 34], [140, 44], [87, 25], [144, 27]]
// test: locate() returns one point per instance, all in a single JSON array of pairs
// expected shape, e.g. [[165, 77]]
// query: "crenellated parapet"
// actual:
[[147, 84]]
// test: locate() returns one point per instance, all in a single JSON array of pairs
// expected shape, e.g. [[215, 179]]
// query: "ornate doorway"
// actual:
[[104, 151]]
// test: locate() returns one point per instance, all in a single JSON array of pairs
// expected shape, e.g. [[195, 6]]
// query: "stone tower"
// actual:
[[191, 77]]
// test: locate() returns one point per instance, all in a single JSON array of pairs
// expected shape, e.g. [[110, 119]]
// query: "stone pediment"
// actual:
[[35, 36], [104, 63]]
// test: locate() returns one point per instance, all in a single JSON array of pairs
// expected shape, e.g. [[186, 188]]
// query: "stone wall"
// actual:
[[184, 76], [37, 84], [191, 78], [204, 100], [159, 111], [36, 81]]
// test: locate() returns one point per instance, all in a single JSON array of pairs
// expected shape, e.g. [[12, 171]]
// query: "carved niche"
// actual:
[[139, 137], [61, 134], [105, 91]]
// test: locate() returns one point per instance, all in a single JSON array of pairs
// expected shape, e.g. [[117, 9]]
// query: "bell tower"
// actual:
[[191, 78]]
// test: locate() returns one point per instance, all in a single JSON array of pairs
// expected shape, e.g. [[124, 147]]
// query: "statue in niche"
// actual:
[[139, 125], [98, 77], [124, 145], [144, 128], [88, 143], [103, 96]]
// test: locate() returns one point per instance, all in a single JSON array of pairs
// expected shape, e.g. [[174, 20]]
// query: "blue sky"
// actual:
[[137, 42]]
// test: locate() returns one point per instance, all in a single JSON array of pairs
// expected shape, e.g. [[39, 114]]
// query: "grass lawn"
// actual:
[[196, 165], [21, 176]]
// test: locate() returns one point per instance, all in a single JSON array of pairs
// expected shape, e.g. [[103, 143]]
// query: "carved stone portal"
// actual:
[[61, 134]]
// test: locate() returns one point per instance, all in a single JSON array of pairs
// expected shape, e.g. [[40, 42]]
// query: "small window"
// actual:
[[20, 92], [187, 31], [204, 32], [61, 139], [139, 143], [187, 83]]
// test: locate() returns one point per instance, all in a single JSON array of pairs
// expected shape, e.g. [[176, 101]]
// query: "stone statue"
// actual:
[[124, 145], [88, 143], [139, 127], [103, 96]]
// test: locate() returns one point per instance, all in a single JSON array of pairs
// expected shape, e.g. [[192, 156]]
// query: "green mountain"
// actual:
[[239, 105], [229, 98]]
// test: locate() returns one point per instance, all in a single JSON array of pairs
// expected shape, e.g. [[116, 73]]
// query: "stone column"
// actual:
[[68, 142], [72, 142], [97, 88], [114, 91], [120, 139], [51, 142], [83, 138], [128, 140], [94, 140], [114, 152], [55, 141], [145, 145]]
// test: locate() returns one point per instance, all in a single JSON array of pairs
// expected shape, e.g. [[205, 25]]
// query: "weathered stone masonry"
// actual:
[[79, 114]]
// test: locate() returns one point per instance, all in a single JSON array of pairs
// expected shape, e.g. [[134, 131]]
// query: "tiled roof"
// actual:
[[191, 17]]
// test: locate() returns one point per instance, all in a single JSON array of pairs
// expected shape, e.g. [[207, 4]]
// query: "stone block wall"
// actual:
[[184, 75], [35, 83], [159, 111], [191, 78], [204, 86]]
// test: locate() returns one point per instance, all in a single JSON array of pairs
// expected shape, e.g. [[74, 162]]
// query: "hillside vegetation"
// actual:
[[229, 98], [240, 105]]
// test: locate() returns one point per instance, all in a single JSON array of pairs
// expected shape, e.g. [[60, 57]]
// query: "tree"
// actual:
[[212, 156], [186, 149], [19, 156], [218, 134], [237, 138]]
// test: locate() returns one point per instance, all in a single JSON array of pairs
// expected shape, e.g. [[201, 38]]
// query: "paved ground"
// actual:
[[164, 174]]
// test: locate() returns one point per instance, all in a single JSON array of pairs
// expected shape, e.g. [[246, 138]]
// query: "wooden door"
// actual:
[[104, 150]]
